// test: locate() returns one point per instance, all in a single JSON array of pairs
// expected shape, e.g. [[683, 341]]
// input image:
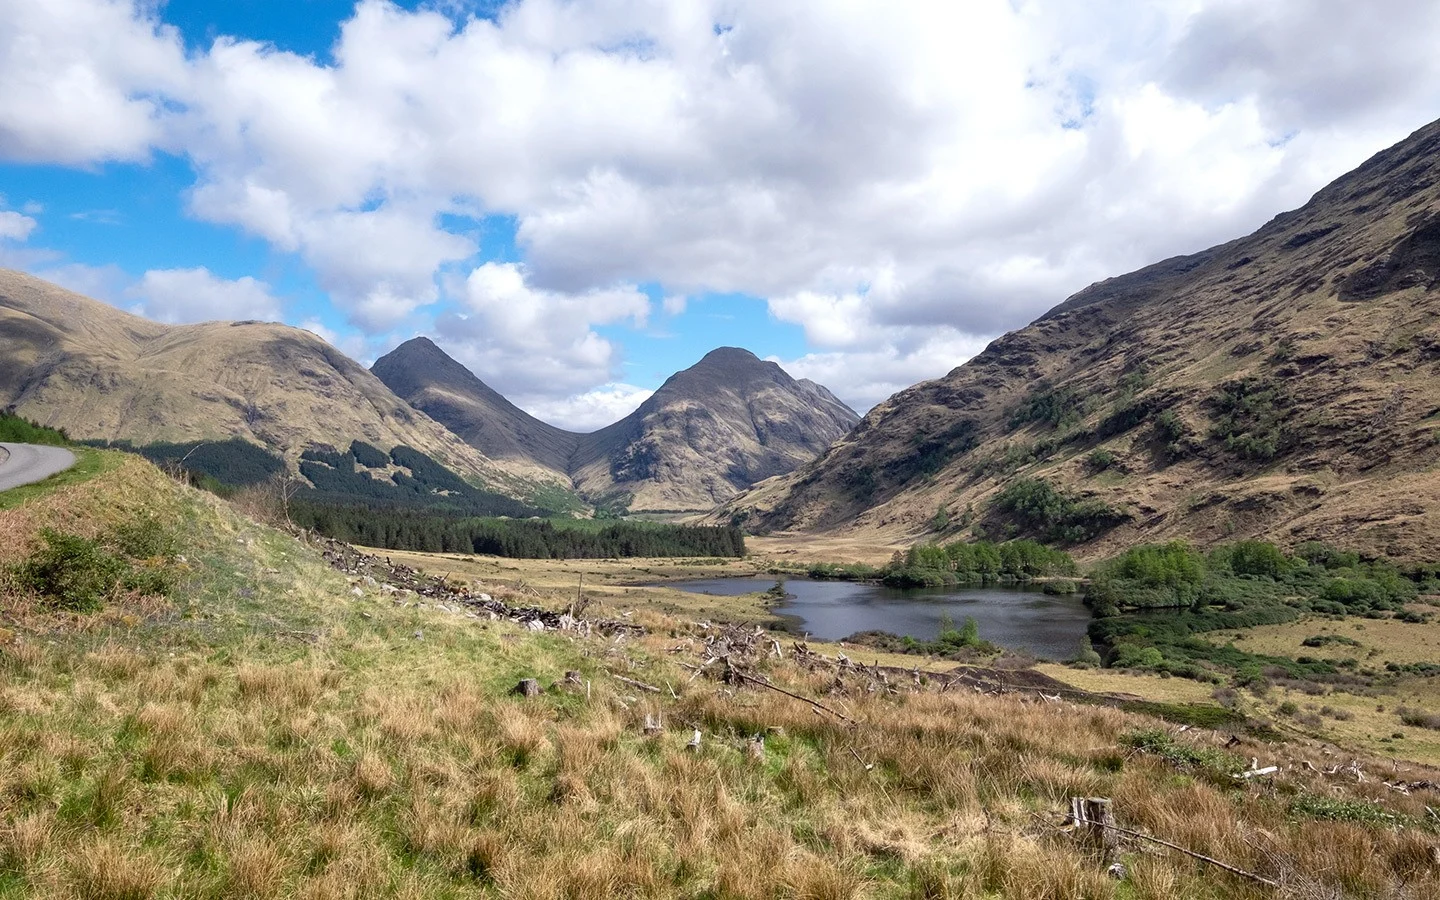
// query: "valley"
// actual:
[[249, 719], [535, 450], [1170, 545]]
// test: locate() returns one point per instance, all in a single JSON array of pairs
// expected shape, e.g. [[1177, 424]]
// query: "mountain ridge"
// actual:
[[1277, 386], [709, 431], [104, 374]]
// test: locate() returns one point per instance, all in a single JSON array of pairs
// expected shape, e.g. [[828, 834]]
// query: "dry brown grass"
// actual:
[[367, 764], [106, 870]]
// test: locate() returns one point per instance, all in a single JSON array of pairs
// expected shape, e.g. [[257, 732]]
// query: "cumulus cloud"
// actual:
[[896, 359], [108, 282], [15, 226], [904, 181], [527, 342], [588, 411], [198, 295], [83, 80]]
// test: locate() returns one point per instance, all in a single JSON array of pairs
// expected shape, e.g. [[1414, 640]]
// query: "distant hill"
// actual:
[[71, 362], [709, 432], [1281, 386], [443, 389]]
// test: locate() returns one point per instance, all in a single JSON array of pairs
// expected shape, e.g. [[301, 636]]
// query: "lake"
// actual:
[[1019, 618]]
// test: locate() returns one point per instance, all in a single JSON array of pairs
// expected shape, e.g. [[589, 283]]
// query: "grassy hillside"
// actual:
[[265, 726], [19, 430], [67, 361], [1281, 386]]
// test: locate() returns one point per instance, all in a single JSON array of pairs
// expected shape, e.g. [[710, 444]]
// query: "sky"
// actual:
[[577, 198]]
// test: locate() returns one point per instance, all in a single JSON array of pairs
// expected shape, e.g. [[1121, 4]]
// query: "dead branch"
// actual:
[[815, 703], [636, 684], [1200, 856]]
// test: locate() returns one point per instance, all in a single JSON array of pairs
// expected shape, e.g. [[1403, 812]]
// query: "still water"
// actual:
[[1050, 627]]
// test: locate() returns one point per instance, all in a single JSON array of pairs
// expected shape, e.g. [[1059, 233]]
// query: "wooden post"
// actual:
[[1095, 821]]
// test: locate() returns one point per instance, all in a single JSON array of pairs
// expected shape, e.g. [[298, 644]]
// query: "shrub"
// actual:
[[1037, 507], [1052, 407], [73, 572], [1322, 640], [1418, 718], [1249, 418], [1159, 742], [144, 537], [1087, 658], [1100, 460], [1337, 809]]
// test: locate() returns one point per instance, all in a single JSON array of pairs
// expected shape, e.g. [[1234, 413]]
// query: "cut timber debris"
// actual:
[[636, 684], [1094, 821]]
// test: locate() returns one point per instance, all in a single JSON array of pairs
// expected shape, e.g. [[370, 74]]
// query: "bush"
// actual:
[[74, 573], [1052, 407], [1159, 742], [1322, 640], [1418, 718], [1038, 508], [1100, 460], [1249, 420], [144, 538], [1087, 658]]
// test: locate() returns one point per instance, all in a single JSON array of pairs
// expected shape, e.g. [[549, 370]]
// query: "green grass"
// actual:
[[269, 733], [88, 464]]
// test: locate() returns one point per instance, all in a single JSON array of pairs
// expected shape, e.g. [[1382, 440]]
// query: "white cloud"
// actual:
[[197, 295], [588, 411], [524, 341], [894, 359], [106, 283], [352, 344], [14, 226], [902, 180], [82, 80]]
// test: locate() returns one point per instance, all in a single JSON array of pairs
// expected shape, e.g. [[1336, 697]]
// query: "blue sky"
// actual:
[[578, 198]]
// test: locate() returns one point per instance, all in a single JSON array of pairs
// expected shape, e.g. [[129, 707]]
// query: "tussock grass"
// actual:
[[270, 734]]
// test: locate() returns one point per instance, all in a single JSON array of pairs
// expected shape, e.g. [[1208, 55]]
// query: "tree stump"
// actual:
[[1095, 824], [528, 687]]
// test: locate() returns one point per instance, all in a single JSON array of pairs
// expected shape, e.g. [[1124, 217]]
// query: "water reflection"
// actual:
[[1019, 618]]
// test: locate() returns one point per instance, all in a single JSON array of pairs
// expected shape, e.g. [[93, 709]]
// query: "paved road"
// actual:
[[27, 463]]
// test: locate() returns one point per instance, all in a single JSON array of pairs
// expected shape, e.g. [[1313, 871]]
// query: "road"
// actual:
[[28, 463]]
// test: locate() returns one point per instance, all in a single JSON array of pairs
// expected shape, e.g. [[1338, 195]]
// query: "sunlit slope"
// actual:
[[1280, 386]]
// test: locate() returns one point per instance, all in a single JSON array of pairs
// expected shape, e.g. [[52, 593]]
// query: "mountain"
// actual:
[[449, 393], [709, 432], [1281, 386], [71, 362]]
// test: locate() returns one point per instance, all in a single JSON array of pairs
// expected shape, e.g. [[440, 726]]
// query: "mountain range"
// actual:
[[706, 434], [1284, 386], [1280, 386], [103, 374]]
